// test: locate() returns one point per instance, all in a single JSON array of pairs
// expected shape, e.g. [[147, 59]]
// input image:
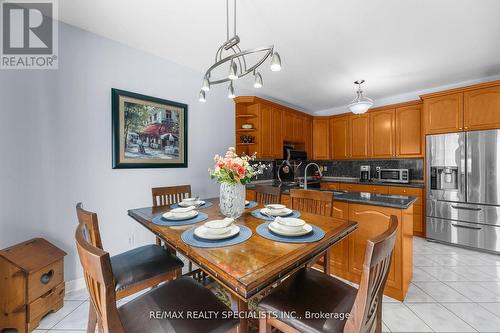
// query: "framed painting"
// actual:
[[148, 132]]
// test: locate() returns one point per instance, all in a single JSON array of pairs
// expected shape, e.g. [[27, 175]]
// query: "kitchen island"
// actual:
[[371, 211]]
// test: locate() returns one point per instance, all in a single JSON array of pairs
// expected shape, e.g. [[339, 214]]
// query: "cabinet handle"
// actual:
[[466, 208], [465, 227], [46, 277]]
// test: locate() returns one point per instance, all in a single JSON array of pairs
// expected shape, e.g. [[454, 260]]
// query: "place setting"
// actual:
[[290, 230], [216, 233], [180, 216], [192, 201], [271, 211], [250, 204]]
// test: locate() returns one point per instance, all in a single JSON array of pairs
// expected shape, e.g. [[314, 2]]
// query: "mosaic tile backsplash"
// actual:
[[351, 168]]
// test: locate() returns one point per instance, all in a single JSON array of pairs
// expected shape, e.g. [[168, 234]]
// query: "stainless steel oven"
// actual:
[[393, 175]]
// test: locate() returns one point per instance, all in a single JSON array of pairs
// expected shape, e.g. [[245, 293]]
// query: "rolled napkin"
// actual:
[[182, 209]]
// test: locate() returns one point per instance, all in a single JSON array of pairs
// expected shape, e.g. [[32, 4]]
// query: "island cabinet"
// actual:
[[321, 139], [347, 256]]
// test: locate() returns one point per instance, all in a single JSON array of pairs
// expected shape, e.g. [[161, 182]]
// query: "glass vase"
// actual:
[[232, 200]]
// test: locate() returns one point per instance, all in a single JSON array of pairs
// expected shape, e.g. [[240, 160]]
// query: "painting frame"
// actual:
[[119, 141]]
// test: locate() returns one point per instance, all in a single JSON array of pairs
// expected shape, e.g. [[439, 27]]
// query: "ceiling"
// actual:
[[397, 46]]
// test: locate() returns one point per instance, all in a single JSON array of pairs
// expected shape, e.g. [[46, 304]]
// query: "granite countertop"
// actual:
[[415, 183], [383, 200]]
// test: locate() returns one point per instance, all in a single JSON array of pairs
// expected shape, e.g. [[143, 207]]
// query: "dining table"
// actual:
[[253, 267]]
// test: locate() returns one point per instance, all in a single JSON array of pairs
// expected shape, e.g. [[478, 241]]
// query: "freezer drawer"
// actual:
[[464, 212], [479, 236]]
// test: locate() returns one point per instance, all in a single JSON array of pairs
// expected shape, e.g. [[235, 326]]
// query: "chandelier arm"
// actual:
[[242, 69], [234, 17], [244, 60], [227, 19]]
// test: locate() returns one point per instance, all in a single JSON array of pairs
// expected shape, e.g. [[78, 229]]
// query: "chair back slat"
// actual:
[[90, 225], [368, 304], [100, 282], [265, 194], [315, 202], [168, 195]]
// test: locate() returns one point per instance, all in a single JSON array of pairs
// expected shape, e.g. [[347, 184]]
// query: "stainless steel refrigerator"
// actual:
[[463, 189]]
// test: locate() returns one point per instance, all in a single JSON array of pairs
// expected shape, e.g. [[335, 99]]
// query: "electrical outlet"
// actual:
[[325, 168]]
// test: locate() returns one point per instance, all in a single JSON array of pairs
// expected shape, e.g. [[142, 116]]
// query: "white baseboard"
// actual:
[[74, 285]]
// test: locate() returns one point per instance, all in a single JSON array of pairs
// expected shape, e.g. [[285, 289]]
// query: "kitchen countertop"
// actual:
[[383, 200], [418, 184]]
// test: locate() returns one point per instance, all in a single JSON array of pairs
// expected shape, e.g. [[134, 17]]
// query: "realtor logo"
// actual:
[[29, 34]]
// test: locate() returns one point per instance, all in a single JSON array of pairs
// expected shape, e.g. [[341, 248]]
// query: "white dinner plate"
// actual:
[[274, 227], [202, 232], [195, 203], [283, 212], [180, 216]]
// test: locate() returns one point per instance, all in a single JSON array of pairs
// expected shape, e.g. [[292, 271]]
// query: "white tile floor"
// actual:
[[453, 290]]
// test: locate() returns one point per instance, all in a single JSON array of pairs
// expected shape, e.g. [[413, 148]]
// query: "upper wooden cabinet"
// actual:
[[321, 139], [277, 134], [340, 138], [443, 114], [266, 131], [409, 131], [359, 136], [382, 133], [482, 109], [288, 126]]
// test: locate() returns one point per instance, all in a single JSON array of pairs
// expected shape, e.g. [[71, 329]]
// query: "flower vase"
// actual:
[[232, 200]]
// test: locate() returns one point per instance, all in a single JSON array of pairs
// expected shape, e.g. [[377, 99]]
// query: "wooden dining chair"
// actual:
[[169, 195], [134, 270], [358, 310], [265, 194], [182, 295], [314, 202]]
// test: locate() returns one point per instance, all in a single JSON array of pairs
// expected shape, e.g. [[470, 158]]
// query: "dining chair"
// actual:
[[134, 270], [265, 194], [149, 311], [314, 202], [352, 310]]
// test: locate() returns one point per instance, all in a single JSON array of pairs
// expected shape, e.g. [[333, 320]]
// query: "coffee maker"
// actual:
[[364, 173]]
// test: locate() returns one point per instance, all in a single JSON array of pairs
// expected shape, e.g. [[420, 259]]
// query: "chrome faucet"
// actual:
[[305, 173]]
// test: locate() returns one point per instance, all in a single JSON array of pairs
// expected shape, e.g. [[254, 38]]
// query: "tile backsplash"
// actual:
[[351, 168]]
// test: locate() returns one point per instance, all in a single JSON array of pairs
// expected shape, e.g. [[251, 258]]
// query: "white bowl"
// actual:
[[275, 206], [276, 212], [290, 224], [191, 203], [180, 216], [218, 227], [189, 200]]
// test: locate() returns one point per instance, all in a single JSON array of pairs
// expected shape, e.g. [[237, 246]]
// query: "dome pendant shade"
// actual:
[[233, 71], [360, 104], [206, 84], [275, 62], [258, 81], [230, 91]]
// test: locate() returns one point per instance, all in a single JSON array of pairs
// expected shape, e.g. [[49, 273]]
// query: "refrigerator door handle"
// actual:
[[465, 226], [466, 208]]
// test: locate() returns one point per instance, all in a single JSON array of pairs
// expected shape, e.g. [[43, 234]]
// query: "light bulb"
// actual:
[[233, 71], [258, 80], [275, 62], [201, 97]]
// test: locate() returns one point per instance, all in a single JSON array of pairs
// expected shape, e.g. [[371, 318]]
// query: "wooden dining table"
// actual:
[[254, 266]]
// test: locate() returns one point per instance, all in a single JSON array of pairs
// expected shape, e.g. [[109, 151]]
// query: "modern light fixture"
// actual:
[[239, 62], [201, 97], [360, 104], [258, 80], [230, 91]]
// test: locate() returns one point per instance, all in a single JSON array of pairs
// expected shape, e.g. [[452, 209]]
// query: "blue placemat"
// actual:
[[251, 204], [160, 220], [256, 213], [205, 205], [191, 239], [315, 235]]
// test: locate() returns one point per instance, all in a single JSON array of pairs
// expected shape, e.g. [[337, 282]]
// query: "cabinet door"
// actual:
[[321, 147], [266, 148], [298, 133], [482, 109], [359, 135], [339, 253], [409, 131], [277, 134], [288, 126], [382, 133], [443, 114], [340, 138], [372, 221], [308, 136]]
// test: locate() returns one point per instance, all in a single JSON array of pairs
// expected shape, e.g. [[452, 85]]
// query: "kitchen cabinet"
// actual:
[[330, 186], [266, 131], [382, 133], [359, 136], [340, 138], [418, 206], [277, 133], [482, 109], [443, 114], [381, 189], [287, 120], [321, 139], [340, 250], [308, 136], [409, 142]]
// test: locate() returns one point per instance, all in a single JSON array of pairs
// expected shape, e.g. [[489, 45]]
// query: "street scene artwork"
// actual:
[[148, 131]]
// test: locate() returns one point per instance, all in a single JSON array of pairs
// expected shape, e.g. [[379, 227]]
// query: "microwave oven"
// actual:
[[393, 175]]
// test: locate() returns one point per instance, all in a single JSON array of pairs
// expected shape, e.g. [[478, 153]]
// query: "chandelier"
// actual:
[[360, 104], [237, 62]]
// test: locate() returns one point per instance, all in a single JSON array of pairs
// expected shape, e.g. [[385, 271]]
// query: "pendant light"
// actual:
[[230, 91], [360, 104], [257, 81], [201, 97], [206, 84], [275, 62]]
